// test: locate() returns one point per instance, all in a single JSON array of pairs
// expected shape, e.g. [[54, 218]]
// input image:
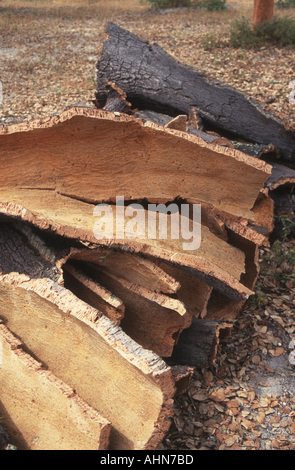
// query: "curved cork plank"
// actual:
[[153, 320], [155, 276], [132, 268], [193, 292], [93, 293], [264, 211], [264, 225], [215, 262], [247, 231], [219, 307], [130, 386], [39, 410], [94, 156], [251, 251]]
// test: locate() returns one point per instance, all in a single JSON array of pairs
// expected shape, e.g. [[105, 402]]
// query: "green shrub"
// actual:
[[286, 223], [259, 299], [285, 3], [278, 31], [214, 5], [170, 3]]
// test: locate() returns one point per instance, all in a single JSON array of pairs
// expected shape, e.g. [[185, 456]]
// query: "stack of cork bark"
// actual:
[[97, 333]]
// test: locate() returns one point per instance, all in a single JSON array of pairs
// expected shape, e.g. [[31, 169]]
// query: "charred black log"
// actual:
[[112, 98], [154, 80]]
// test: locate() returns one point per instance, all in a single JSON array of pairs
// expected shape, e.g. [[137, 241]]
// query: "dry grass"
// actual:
[[50, 49], [105, 7]]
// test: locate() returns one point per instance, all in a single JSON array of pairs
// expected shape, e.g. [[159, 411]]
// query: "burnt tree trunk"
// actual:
[[154, 80]]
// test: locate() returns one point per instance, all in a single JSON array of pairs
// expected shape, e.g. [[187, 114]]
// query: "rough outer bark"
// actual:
[[166, 84], [112, 98], [17, 256], [197, 346], [257, 150], [280, 176], [153, 320], [74, 219], [125, 157], [182, 376], [39, 410]]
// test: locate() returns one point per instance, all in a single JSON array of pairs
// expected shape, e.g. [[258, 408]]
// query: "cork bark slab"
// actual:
[[215, 262], [130, 386], [221, 308], [193, 292], [39, 410], [93, 155], [153, 320], [93, 293], [132, 268]]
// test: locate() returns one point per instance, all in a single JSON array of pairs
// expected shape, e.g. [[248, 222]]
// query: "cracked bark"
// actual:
[[154, 80]]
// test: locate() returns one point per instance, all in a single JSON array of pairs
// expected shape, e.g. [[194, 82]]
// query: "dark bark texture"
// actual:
[[197, 345], [154, 80], [16, 255], [6, 442]]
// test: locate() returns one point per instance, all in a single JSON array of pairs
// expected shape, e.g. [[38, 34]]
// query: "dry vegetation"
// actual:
[[49, 50], [48, 54]]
